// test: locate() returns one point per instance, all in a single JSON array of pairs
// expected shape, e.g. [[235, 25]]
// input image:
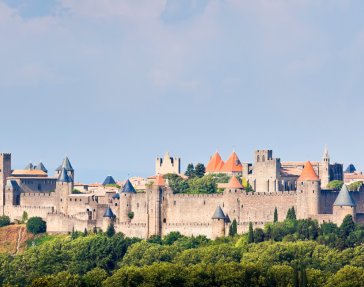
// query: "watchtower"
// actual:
[[5, 172]]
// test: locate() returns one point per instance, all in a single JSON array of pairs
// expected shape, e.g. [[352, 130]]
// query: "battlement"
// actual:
[[28, 207], [36, 194], [198, 195]]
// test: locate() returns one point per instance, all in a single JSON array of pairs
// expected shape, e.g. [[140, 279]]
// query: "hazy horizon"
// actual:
[[115, 84]]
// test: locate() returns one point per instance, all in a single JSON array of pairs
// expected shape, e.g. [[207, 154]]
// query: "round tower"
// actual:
[[108, 218], [64, 187], [344, 205], [126, 195], [309, 185], [218, 223]]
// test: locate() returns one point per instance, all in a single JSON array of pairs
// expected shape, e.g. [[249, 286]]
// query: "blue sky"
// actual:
[[113, 84]]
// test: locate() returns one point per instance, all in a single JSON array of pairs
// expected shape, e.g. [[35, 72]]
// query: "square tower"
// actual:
[[5, 172]]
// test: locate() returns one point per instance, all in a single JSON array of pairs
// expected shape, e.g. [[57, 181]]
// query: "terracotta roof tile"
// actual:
[[215, 163], [159, 181], [233, 164], [234, 183], [308, 173]]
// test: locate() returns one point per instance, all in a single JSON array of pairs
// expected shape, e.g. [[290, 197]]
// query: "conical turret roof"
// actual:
[[109, 213], [109, 180], [234, 183], [233, 164], [63, 177], [128, 187], [308, 173], [40, 166], [66, 164], [350, 169], [29, 166], [218, 214], [159, 181], [344, 198], [215, 163]]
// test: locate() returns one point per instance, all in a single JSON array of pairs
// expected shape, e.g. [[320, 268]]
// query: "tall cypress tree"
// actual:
[[233, 230], [275, 215], [251, 233]]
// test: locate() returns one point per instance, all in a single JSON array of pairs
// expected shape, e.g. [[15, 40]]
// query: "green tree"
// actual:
[[110, 232], [94, 277], [233, 229], [259, 235], [335, 184], [251, 233], [348, 276], [200, 170], [4, 220], [275, 215], [36, 225], [85, 232], [190, 171], [24, 217], [355, 185]]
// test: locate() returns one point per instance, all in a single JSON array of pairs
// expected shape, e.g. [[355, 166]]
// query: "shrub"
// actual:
[[131, 215], [36, 225], [4, 220]]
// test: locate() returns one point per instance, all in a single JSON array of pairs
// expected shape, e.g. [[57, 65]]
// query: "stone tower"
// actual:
[[218, 223], [308, 188], [5, 172], [107, 219], [344, 205], [324, 168], [168, 164], [64, 187], [154, 212], [125, 201], [266, 172]]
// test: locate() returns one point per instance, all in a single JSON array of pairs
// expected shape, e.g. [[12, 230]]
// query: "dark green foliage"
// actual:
[[335, 184], [190, 171], [355, 185], [275, 215], [233, 229], [171, 238], [4, 220], [250, 233], [76, 191], [36, 225], [199, 170], [110, 232], [24, 217], [259, 235], [85, 232], [130, 215], [291, 214]]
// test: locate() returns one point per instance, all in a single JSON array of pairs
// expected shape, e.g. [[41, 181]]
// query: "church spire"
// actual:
[[326, 156]]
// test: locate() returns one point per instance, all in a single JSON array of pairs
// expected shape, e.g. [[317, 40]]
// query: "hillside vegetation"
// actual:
[[291, 253], [14, 238]]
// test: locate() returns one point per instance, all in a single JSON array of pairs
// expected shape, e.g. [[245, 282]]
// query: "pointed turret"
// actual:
[[63, 177], [128, 187], [344, 198], [40, 166], [159, 181], [215, 164], [350, 169], [218, 214], [109, 180], [308, 173], [108, 213], [232, 165], [29, 166], [234, 183], [66, 164]]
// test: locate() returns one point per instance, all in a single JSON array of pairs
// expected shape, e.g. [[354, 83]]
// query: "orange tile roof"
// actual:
[[220, 166], [28, 172], [159, 181], [233, 164], [215, 163], [308, 173], [234, 183]]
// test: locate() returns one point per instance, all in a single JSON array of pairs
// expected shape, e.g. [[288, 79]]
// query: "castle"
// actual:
[[159, 211]]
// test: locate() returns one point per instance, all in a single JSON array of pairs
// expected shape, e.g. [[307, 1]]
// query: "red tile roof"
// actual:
[[234, 183], [159, 181], [308, 173], [233, 164], [215, 163]]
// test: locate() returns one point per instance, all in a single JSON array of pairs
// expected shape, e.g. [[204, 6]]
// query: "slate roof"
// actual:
[[128, 187], [344, 198], [65, 164], [41, 166], [116, 195], [308, 173], [350, 169], [63, 177], [109, 213], [218, 214], [109, 180], [29, 166]]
